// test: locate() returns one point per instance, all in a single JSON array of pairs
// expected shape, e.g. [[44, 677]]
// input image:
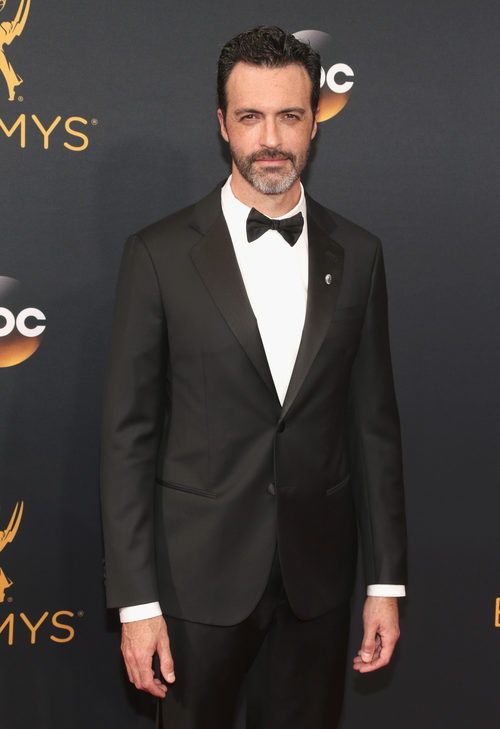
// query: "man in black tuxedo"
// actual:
[[250, 427]]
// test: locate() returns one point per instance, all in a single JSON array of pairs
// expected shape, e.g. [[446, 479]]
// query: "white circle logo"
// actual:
[[337, 75], [21, 325]]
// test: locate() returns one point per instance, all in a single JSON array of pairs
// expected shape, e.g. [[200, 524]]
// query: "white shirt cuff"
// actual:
[[386, 591], [140, 612]]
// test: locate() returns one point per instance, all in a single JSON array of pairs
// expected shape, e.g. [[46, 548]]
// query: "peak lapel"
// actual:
[[216, 263], [326, 259]]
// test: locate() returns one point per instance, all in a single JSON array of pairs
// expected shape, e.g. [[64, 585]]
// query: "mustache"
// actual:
[[270, 154]]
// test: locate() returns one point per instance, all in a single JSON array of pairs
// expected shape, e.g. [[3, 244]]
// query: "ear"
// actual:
[[223, 130], [315, 124]]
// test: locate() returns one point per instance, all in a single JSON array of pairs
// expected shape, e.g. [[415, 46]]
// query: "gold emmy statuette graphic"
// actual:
[[6, 537], [8, 31]]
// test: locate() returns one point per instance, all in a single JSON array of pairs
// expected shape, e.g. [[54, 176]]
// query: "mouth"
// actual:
[[271, 161]]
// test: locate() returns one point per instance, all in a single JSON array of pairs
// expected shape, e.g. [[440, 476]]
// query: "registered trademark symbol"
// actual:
[[94, 122], [10, 599], [81, 613], [20, 98]]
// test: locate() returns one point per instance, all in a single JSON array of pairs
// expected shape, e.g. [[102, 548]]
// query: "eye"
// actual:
[[290, 116]]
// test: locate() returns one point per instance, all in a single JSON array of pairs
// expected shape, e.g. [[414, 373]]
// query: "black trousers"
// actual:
[[291, 671]]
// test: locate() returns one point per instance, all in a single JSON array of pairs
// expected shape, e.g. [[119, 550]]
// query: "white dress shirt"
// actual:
[[275, 275]]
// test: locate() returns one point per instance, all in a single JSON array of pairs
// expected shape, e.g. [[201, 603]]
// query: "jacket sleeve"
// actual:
[[133, 416], [375, 443]]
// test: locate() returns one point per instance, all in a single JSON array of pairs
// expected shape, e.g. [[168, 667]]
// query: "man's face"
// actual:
[[269, 124]]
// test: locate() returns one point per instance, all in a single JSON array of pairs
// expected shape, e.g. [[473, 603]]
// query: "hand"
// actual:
[[381, 633], [141, 639]]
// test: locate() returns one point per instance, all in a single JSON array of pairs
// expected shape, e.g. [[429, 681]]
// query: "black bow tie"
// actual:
[[290, 228]]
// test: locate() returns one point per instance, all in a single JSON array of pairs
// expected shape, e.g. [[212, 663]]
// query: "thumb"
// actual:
[[368, 646], [166, 660]]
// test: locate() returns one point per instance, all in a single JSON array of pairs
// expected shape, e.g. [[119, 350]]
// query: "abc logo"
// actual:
[[21, 324], [337, 76]]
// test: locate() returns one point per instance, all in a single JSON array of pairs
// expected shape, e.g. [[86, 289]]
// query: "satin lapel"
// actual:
[[326, 259], [216, 263]]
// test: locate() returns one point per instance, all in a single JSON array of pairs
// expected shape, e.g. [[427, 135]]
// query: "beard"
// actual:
[[270, 181]]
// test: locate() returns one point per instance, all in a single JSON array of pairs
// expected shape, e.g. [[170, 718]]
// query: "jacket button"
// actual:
[[281, 427], [271, 489]]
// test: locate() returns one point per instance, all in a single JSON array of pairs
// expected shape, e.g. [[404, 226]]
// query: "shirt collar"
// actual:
[[236, 212]]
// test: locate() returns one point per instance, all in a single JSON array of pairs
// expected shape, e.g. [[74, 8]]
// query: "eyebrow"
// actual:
[[297, 109]]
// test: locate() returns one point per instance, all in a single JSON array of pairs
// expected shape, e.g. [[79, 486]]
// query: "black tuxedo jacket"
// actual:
[[203, 471]]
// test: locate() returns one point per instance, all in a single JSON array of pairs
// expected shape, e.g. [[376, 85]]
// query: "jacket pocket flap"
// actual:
[[186, 489], [339, 485]]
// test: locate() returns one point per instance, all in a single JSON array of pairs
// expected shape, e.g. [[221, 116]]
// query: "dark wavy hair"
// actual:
[[271, 47]]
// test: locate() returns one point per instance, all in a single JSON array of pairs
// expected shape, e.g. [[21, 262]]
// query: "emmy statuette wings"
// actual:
[[10, 532], [6, 537]]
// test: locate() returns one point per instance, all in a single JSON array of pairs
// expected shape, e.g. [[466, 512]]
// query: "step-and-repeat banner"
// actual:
[[107, 122]]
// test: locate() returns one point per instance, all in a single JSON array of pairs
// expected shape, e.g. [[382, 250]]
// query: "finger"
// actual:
[[378, 647], [362, 667], [131, 666], [140, 670], [150, 684], [368, 667], [161, 687], [129, 673], [155, 689], [386, 651]]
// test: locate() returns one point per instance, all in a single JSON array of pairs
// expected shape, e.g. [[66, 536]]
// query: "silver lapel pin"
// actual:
[[328, 278]]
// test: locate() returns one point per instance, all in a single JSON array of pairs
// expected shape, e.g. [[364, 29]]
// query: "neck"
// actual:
[[274, 206]]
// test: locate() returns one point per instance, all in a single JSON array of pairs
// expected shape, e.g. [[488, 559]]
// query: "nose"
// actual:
[[270, 136]]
